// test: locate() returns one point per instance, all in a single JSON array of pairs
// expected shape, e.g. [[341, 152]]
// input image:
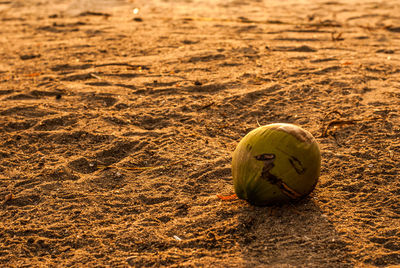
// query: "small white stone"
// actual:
[[177, 238]]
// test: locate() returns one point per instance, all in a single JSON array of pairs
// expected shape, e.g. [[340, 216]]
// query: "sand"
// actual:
[[118, 120]]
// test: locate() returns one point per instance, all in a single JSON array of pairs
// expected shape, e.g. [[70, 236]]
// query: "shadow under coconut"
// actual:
[[290, 234]]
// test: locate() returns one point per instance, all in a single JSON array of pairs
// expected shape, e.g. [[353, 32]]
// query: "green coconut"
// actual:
[[276, 163]]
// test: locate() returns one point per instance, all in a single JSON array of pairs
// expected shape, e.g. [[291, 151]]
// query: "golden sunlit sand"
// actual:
[[118, 120]]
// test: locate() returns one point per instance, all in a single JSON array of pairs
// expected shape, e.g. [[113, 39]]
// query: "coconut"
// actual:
[[276, 163]]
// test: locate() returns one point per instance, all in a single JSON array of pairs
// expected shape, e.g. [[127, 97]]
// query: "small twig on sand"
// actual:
[[336, 123], [228, 197], [206, 106], [332, 112]]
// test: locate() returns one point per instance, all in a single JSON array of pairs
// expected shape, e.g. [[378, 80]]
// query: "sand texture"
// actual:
[[117, 127]]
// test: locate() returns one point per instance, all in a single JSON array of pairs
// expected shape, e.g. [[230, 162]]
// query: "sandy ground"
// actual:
[[117, 131]]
